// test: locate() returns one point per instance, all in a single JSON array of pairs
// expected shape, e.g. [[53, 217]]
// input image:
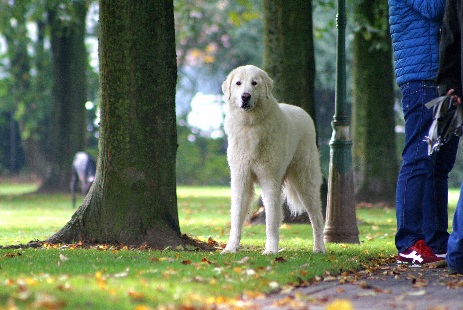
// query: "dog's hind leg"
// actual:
[[242, 192], [271, 196], [316, 218], [309, 194], [313, 207]]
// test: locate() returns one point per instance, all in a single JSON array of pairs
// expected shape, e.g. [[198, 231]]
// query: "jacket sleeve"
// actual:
[[430, 9], [449, 73]]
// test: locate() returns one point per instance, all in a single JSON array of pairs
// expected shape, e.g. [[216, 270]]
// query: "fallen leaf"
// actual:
[[212, 242], [383, 291], [417, 293], [142, 307], [363, 284], [47, 301], [250, 272], [340, 290], [244, 260], [366, 294], [64, 287], [340, 304], [204, 260], [274, 285], [135, 295], [122, 274], [419, 283], [63, 258], [11, 255]]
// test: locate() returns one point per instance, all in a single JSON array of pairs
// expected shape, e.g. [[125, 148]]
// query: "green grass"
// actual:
[[110, 278]]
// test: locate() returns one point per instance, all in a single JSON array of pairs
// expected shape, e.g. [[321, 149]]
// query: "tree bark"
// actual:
[[69, 58], [133, 200], [374, 154], [289, 56]]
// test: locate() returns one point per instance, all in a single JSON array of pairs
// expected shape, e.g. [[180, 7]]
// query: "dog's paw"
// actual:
[[319, 249], [226, 251], [269, 252]]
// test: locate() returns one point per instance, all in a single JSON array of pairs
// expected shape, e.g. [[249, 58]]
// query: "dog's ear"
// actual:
[[268, 83], [226, 85]]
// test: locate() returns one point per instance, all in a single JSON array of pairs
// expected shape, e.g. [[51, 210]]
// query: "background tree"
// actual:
[[24, 97], [19, 84], [374, 151], [289, 51], [289, 60], [69, 60], [133, 200]]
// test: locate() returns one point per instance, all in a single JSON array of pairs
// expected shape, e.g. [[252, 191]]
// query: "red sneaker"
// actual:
[[420, 255]]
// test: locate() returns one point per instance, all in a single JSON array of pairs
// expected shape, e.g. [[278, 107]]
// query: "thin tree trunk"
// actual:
[[69, 60], [374, 154]]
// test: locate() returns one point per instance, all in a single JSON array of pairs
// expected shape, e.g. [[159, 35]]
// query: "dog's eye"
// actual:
[[254, 83], [238, 83]]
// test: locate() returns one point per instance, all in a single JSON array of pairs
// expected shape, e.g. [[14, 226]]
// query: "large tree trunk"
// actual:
[[69, 58], [133, 200], [374, 154]]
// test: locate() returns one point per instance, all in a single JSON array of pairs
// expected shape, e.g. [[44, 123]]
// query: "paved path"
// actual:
[[385, 287]]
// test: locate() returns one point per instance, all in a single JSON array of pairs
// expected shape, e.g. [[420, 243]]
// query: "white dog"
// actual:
[[273, 145]]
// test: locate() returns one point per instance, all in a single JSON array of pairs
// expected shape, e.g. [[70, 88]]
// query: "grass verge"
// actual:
[[106, 277]]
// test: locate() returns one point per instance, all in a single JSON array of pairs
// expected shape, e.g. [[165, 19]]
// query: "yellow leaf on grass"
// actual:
[[237, 270], [136, 295], [340, 304], [142, 307]]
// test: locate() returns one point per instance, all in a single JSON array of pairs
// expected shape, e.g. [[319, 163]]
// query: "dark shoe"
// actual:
[[420, 255], [456, 272]]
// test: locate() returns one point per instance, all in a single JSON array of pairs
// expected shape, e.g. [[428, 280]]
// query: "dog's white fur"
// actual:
[[272, 144]]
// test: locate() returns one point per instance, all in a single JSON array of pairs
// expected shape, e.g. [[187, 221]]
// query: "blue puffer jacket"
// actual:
[[414, 26]]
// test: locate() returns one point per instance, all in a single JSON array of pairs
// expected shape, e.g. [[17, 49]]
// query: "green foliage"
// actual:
[[371, 19], [28, 78], [210, 33], [200, 160]]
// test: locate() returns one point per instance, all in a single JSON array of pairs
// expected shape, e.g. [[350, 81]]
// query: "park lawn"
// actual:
[[119, 278]]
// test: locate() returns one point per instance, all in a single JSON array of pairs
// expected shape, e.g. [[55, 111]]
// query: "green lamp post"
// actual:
[[341, 221]]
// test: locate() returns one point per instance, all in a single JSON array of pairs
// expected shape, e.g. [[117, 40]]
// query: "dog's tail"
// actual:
[[301, 188], [295, 204]]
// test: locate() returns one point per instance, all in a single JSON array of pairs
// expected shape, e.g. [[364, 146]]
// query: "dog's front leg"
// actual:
[[273, 217], [241, 196]]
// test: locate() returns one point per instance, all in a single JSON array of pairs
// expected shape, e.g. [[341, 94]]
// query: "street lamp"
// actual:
[[341, 221]]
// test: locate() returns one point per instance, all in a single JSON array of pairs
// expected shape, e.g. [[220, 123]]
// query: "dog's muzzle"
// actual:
[[245, 101]]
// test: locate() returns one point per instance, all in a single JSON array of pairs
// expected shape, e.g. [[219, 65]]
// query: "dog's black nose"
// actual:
[[246, 97]]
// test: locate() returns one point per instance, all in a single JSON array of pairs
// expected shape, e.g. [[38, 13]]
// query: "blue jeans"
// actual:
[[455, 246], [422, 186]]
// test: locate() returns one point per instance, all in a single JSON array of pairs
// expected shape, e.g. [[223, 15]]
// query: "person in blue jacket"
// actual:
[[422, 186], [450, 83]]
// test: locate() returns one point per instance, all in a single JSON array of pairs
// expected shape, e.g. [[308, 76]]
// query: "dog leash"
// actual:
[[447, 121]]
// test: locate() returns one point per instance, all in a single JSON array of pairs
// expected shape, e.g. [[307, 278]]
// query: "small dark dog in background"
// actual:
[[83, 171]]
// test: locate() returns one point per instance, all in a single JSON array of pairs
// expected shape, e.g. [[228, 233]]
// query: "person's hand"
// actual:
[[455, 98]]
